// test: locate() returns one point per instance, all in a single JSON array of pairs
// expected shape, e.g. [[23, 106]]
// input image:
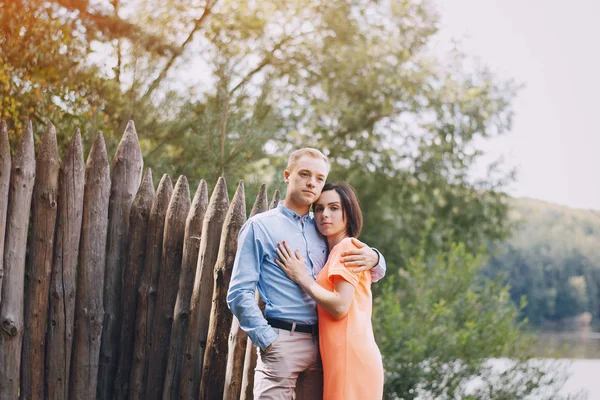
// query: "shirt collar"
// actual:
[[292, 214]]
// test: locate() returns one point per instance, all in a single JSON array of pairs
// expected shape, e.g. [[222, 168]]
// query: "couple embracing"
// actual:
[[315, 338]]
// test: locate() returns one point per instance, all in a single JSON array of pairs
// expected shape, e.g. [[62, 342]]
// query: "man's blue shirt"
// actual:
[[255, 266]]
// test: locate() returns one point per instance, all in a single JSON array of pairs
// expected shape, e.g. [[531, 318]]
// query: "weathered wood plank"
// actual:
[[11, 308], [181, 314], [172, 253], [138, 222], [39, 265], [237, 337], [61, 312], [146, 305], [126, 173], [215, 357], [200, 303], [275, 200], [5, 163], [251, 352], [89, 308]]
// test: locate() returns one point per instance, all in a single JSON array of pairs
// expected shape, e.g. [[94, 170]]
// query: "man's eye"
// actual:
[[304, 174]]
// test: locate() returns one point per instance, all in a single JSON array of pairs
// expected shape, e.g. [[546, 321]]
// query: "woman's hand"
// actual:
[[290, 262]]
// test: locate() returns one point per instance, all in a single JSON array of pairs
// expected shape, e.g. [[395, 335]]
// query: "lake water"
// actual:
[[581, 350], [574, 355], [583, 376]]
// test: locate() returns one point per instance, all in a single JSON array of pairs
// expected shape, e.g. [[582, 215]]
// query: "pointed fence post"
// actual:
[[237, 337], [89, 309], [126, 169], [138, 223], [11, 307], [146, 304], [181, 314], [61, 312], [172, 253], [251, 353], [215, 357], [37, 275], [200, 303], [4, 184], [275, 200]]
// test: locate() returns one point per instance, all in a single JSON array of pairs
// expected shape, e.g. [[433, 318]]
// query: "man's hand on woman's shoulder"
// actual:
[[362, 258]]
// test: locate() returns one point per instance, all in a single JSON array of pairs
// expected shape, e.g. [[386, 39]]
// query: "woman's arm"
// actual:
[[336, 303]]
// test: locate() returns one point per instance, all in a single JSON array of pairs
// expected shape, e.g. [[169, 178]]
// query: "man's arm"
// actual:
[[365, 258], [244, 278]]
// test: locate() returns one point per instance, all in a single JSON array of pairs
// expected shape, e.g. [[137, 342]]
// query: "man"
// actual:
[[289, 358]]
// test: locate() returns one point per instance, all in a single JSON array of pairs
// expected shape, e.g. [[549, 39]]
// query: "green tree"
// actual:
[[230, 87], [45, 71], [550, 260], [438, 323]]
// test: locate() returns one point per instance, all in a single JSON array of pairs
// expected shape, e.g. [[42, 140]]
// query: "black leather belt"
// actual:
[[279, 324]]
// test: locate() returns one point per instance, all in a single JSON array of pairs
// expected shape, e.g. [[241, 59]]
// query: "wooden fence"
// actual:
[[110, 289]]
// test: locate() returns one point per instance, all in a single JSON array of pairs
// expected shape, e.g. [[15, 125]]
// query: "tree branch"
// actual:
[[115, 27], [117, 69], [267, 59], [197, 25]]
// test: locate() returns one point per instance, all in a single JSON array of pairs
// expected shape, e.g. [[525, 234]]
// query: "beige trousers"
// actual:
[[291, 369]]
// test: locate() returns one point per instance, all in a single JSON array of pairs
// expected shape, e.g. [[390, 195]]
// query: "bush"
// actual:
[[439, 322]]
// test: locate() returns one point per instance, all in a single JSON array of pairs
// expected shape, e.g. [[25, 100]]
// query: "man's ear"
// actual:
[[286, 175]]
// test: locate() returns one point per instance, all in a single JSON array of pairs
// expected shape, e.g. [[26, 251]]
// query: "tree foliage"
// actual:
[[438, 323], [551, 261], [230, 87]]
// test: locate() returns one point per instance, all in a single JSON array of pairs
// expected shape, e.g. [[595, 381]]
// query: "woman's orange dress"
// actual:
[[352, 365]]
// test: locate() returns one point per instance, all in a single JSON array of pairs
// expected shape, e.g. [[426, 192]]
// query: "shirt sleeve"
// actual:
[[337, 268], [378, 271], [242, 287]]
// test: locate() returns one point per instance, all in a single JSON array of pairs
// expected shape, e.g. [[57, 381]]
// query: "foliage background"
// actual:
[[229, 87]]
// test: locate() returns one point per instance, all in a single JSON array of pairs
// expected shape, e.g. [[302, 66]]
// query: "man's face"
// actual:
[[306, 180]]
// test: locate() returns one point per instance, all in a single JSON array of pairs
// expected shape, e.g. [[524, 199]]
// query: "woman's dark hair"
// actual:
[[350, 207]]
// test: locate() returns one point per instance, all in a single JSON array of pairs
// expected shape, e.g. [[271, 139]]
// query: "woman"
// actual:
[[352, 365]]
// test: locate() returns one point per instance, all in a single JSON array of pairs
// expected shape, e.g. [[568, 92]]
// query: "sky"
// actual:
[[551, 47]]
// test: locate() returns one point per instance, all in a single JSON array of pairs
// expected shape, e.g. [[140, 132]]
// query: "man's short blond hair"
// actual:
[[307, 151]]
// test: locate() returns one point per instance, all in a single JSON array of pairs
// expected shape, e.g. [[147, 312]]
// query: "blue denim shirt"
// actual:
[[254, 265]]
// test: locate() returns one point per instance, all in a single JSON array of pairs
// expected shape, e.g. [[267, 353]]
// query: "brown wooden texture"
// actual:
[[138, 223], [61, 311], [126, 173], [172, 253], [215, 357], [181, 314], [251, 352], [200, 303], [275, 200], [11, 308], [89, 311], [4, 184], [237, 337], [39, 265], [148, 288]]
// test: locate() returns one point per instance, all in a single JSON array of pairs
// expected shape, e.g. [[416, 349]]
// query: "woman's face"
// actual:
[[329, 215]]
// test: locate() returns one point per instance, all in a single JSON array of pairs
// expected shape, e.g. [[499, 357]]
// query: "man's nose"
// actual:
[[311, 183]]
